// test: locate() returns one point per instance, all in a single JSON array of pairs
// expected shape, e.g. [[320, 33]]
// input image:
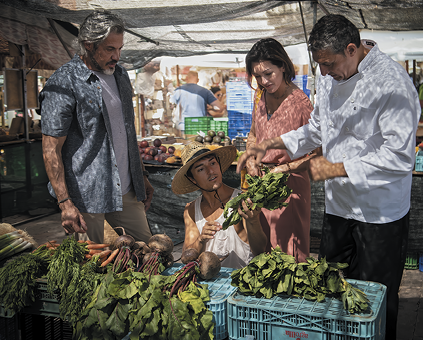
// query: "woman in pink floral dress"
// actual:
[[280, 106]]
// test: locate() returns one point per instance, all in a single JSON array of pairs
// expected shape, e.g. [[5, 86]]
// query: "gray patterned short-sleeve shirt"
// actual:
[[72, 106]]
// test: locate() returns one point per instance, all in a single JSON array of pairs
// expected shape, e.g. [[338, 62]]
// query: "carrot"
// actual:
[[94, 251], [110, 258], [88, 242], [88, 256], [104, 253], [97, 246]]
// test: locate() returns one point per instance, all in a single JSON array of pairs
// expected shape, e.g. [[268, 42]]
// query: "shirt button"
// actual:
[[352, 100], [99, 106], [343, 155], [118, 185], [91, 101], [355, 108], [98, 87], [347, 128], [116, 165], [331, 123], [343, 182]]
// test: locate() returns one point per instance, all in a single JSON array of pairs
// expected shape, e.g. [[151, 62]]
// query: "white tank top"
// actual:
[[225, 242]]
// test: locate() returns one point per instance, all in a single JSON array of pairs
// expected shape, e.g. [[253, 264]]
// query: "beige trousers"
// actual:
[[132, 218]]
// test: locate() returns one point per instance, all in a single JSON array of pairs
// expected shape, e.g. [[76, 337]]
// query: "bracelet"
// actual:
[[289, 168], [63, 200]]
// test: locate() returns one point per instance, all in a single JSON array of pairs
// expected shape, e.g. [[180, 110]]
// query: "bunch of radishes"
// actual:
[[157, 151]]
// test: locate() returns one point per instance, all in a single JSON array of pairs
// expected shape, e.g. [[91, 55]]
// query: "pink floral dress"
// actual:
[[288, 227]]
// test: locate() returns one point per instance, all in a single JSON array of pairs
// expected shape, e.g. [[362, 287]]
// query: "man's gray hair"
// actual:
[[96, 28]]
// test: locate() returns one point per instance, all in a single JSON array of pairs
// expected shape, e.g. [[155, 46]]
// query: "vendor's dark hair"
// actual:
[[269, 49], [96, 28], [215, 89], [210, 155], [333, 32]]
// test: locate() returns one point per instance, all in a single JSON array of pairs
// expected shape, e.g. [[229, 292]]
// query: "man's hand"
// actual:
[[208, 231], [148, 192], [72, 220], [321, 169]]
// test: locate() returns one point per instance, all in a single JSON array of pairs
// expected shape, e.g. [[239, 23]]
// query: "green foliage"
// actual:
[[18, 285], [269, 192], [274, 273], [134, 302]]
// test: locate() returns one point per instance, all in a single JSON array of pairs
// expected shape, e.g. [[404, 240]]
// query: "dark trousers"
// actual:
[[374, 252]]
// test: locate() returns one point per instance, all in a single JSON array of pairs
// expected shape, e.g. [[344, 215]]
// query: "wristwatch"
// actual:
[[145, 173]]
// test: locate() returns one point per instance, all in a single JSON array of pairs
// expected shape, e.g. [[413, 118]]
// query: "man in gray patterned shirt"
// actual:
[[89, 141]]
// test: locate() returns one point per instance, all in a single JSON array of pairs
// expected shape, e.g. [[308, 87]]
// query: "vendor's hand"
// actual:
[[72, 220], [209, 230], [280, 168], [148, 193], [252, 168], [246, 212]]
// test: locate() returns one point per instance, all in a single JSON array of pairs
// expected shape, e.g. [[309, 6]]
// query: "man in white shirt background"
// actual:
[[365, 119]]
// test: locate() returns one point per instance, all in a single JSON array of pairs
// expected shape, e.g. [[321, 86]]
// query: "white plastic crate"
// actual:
[[288, 317]]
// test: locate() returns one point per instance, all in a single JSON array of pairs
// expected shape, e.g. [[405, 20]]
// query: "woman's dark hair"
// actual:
[[270, 50], [333, 32], [215, 89]]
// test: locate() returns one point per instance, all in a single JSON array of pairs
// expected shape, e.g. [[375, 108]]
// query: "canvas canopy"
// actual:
[[179, 28]]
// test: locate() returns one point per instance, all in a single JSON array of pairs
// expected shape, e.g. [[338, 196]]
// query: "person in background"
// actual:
[[280, 106], [202, 170], [365, 119], [221, 97], [89, 142], [193, 100]]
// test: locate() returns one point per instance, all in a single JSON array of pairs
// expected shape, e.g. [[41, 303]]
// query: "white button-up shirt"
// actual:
[[369, 124]]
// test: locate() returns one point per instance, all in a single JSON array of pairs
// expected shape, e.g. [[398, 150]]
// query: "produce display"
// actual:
[[156, 152], [274, 273], [214, 138], [269, 192], [108, 296]]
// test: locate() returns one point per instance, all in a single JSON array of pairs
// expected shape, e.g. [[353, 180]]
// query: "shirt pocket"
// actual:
[[361, 123]]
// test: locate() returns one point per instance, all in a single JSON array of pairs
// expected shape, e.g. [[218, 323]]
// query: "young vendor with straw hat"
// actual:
[[202, 170]]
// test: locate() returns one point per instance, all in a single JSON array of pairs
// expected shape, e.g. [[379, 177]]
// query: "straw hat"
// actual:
[[191, 154]]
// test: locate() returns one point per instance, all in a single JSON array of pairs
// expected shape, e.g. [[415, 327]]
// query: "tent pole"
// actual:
[[142, 106], [414, 71]]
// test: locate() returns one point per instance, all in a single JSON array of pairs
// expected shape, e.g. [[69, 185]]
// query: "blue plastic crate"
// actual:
[[419, 163], [233, 133], [239, 120], [219, 290], [288, 317], [245, 106], [421, 262], [301, 81]]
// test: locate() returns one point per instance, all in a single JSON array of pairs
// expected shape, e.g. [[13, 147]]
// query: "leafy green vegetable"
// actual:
[[274, 273], [269, 192], [18, 286]]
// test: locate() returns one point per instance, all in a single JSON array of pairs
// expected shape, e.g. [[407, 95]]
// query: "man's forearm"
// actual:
[[273, 143], [54, 166]]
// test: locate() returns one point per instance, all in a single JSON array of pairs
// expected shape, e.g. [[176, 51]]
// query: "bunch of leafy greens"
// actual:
[[64, 264], [273, 273], [269, 192], [18, 286], [133, 302], [81, 287]]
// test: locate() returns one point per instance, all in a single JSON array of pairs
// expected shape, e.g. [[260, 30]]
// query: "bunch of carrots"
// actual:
[[105, 256]]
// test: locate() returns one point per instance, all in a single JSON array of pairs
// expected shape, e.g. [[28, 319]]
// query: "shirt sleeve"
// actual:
[[210, 97], [377, 165], [57, 104]]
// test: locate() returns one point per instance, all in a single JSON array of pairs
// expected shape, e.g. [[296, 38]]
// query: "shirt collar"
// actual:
[[85, 72], [371, 55]]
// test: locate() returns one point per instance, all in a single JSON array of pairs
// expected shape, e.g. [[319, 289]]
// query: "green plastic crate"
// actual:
[[45, 303], [412, 261], [196, 124], [9, 329], [219, 124]]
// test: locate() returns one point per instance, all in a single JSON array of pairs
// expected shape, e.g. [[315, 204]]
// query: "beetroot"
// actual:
[[189, 255], [161, 243], [157, 142], [209, 265]]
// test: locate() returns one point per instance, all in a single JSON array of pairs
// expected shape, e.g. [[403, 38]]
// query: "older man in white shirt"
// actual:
[[365, 119]]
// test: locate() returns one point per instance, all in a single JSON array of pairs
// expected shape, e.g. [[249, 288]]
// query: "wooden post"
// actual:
[[406, 66], [414, 71], [142, 118], [177, 76], [137, 115]]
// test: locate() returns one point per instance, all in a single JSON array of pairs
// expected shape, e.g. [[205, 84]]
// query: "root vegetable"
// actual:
[[189, 255], [209, 265], [161, 243], [110, 258], [169, 261]]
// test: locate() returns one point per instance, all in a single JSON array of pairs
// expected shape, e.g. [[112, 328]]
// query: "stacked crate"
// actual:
[[195, 124], [239, 103], [219, 124]]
